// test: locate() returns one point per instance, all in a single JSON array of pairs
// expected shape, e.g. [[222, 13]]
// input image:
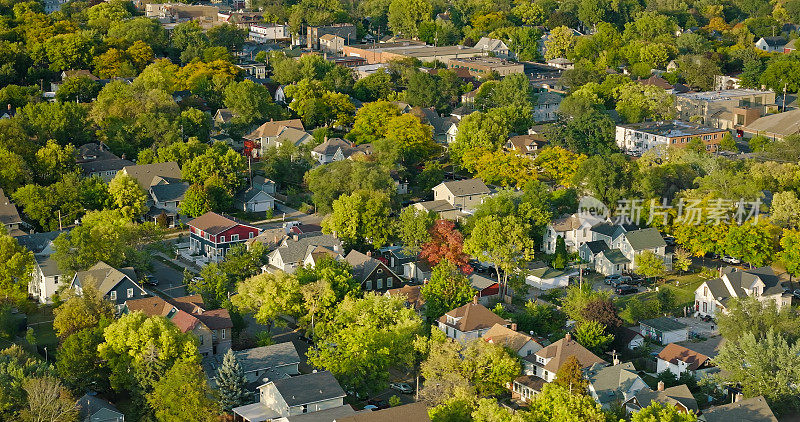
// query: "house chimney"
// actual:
[[737, 397], [295, 237], [615, 361], [474, 300], [513, 326], [568, 337], [660, 386], [369, 254]]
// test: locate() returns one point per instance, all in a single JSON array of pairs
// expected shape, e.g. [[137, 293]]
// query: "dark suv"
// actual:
[[625, 289]]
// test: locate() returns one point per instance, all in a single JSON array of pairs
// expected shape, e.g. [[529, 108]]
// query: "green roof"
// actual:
[[546, 272], [615, 256], [648, 238], [664, 324]]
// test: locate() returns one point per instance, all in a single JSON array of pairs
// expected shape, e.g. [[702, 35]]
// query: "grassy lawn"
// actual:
[[682, 286]]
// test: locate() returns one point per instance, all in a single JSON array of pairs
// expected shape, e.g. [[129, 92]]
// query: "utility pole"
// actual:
[[59, 221], [784, 96]]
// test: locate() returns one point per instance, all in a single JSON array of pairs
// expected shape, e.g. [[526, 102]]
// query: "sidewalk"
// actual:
[[179, 262]]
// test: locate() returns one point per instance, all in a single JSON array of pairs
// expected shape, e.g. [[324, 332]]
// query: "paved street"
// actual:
[[170, 280]]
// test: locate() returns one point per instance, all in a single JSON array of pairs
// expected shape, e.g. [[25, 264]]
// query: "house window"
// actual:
[[55, 279], [234, 237], [130, 293], [369, 285], [222, 333], [380, 271], [250, 235], [705, 291], [113, 295], [380, 283], [222, 238], [389, 282], [202, 340]]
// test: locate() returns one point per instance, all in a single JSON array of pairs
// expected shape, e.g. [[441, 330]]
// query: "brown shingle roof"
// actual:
[[414, 412], [472, 316], [213, 223], [675, 352], [413, 295], [273, 128], [185, 311], [504, 336], [559, 351]]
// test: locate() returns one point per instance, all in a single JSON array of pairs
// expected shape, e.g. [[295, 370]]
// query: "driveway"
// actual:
[[696, 325], [170, 280]]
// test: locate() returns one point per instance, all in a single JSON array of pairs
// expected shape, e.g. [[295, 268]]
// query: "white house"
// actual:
[[522, 344], [546, 362], [761, 283], [469, 322], [294, 250], [546, 278], [679, 359], [47, 278], [254, 200], [575, 229], [546, 107], [771, 44], [638, 138], [293, 396], [635, 242], [664, 330], [269, 32], [496, 47]]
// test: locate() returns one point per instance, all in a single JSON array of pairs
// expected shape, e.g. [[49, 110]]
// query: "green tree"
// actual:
[[790, 252], [371, 121], [749, 315], [560, 43], [727, 143], [47, 400], [360, 218], [251, 102], [588, 133], [570, 376], [332, 181], [753, 243], [364, 339], [405, 17], [219, 166], [413, 228], [53, 161], [218, 280], [659, 412], [762, 366], [81, 312], [231, 382], [649, 264], [502, 241], [17, 365], [447, 289], [785, 210], [605, 178], [78, 363], [128, 196], [227, 35], [318, 106], [183, 394], [636, 102], [560, 258], [80, 89], [197, 201], [16, 267], [268, 297], [578, 297], [557, 403], [592, 335], [14, 172], [682, 260]]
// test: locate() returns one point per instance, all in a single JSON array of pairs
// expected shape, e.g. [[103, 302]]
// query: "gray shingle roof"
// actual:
[[596, 246], [664, 324], [672, 395], [105, 277], [615, 256], [648, 238], [169, 192], [36, 242], [609, 382], [309, 388], [752, 409], [273, 356], [145, 173], [249, 194], [783, 124], [48, 265], [295, 250], [90, 405], [8, 212], [467, 187], [363, 265]]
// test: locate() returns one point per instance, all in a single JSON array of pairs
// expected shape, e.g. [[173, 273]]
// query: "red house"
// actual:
[[212, 234]]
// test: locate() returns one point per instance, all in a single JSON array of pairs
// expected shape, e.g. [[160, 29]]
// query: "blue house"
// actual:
[[116, 285]]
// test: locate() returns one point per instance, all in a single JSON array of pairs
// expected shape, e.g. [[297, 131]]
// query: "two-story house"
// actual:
[[635, 242], [276, 361], [575, 229], [520, 343], [148, 175], [265, 136], [116, 285], [464, 195], [678, 396], [771, 44], [337, 149], [166, 199], [469, 322], [212, 234], [299, 250], [372, 274], [679, 359], [546, 362], [613, 384], [712, 296], [292, 396], [212, 328], [96, 160], [9, 216], [47, 278]]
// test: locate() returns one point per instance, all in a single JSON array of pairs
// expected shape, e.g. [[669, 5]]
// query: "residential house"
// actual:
[[258, 141], [263, 33], [253, 200], [417, 271], [346, 31], [545, 109], [264, 184], [469, 322], [333, 414], [337, 149], [270, 238], [372, 274], [211, 327], [295, 249], [95, 409], [525, 387], [575, 229], [638, 138], [286, 397], [494, 47], [96, 160], [412, 295], [546, 362], [636, 242], [485, 288], [443, 209], [713, 296], [663, 84], [752, 409], [561, 63], [412, 412], [319, 253], [276, 361], [461, 112], [293, 135], [440, 124], [222, 117], [790, 46], [771, 44], [148, 175], [679, 359], [526, 145], [167, 198], [461, 194], [520, 343], [395, 256], [212, 234], [47, 278], [452, 132], [542, 277], [627, 338], [332, 44], [613, 384], [9, 216], [732, 81], [664, 330], [678, 396], [589, 251], [116, 285], [611, 262]]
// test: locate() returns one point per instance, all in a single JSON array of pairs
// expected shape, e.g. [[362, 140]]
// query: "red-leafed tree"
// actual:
[[446, 243]]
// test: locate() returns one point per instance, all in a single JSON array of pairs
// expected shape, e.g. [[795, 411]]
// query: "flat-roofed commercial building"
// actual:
[[638, 138], [725, 109], [384, 52], [481, 66]]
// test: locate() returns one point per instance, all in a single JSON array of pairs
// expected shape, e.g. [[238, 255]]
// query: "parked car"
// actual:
[[624, 289], [149, 280], [636, 280], [620, 281], [669, 240], [371, 407], [731, 260], [378, 403], [401, 387], [611, 277]]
